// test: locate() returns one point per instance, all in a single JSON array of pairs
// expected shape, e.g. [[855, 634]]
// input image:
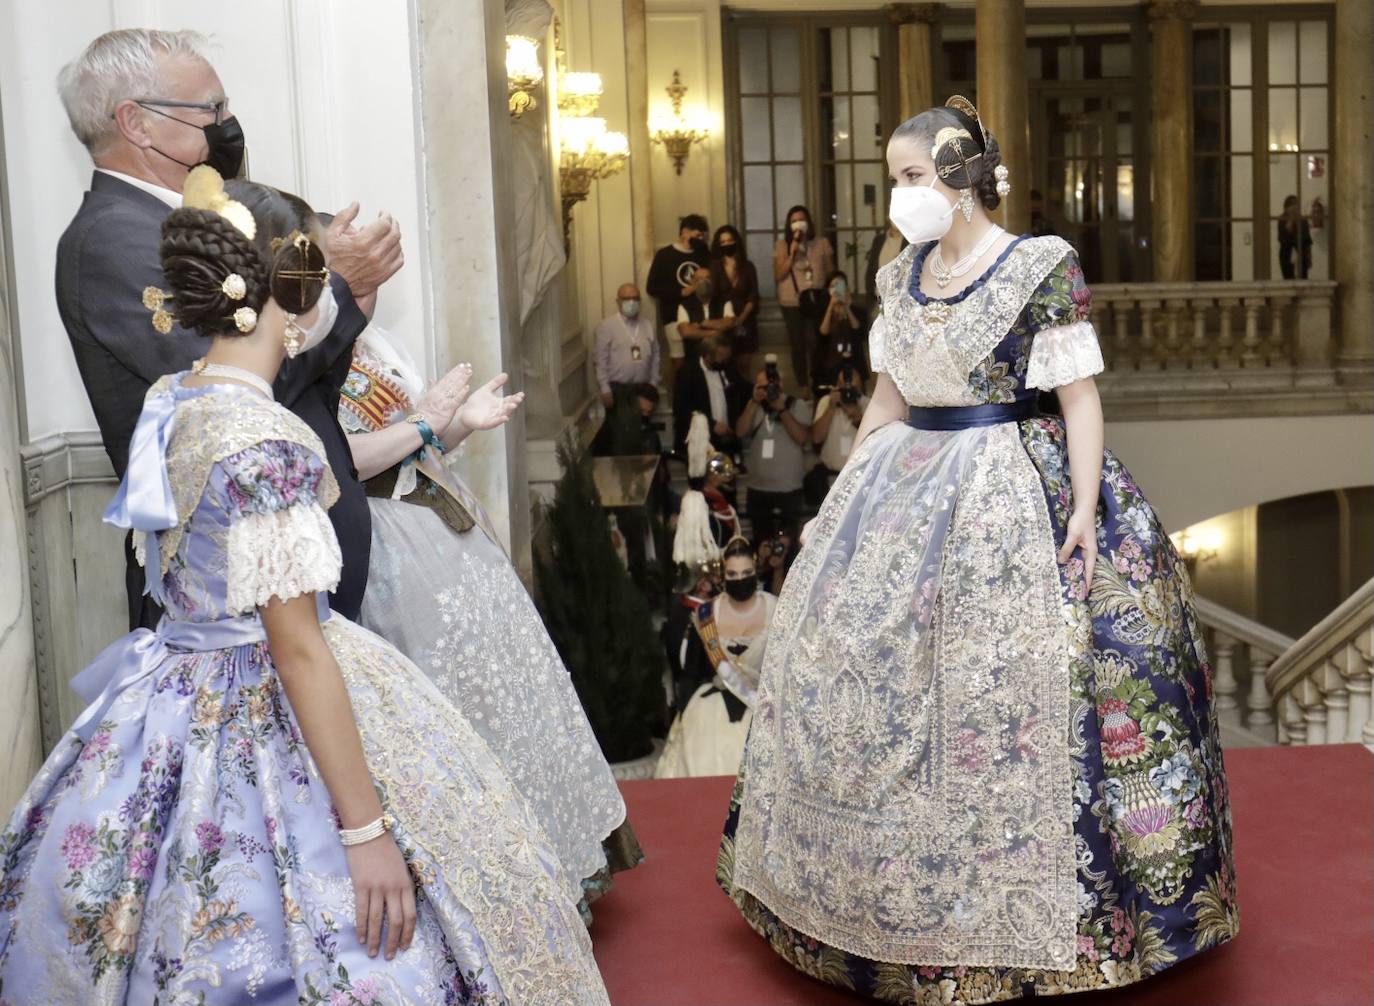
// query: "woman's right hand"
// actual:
[[806, 531], [445, 396], [382, 884]]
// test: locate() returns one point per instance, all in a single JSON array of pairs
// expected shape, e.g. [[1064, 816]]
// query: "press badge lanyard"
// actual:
[[635, 351]]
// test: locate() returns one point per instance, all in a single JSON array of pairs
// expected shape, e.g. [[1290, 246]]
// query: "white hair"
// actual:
[[117, 66]]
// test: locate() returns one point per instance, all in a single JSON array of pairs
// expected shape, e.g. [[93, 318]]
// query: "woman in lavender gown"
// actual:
[[266, 802]]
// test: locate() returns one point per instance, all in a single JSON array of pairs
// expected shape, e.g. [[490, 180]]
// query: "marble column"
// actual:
[[1002, 100], [914, 68], [469, 201], [21, 742], [1352, 188], [641, 149], [1171, 138]]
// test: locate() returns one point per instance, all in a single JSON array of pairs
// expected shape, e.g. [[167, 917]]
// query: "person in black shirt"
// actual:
[[680, 271], [1294, 235]]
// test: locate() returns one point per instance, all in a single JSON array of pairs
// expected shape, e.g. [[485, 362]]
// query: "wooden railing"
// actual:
[[1321, 684]]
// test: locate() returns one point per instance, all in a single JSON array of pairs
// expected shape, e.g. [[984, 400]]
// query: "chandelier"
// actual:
[[676, 132]]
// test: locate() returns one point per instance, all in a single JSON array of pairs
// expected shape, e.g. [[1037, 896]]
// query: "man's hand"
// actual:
[[720, 429], [607, 399], [368, 257]]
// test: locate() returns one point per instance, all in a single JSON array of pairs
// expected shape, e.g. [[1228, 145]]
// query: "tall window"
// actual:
[[853, 170], [812, 107], [771, 138], [1261, 137]]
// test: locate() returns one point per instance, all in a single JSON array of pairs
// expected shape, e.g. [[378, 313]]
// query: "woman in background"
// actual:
[[734, 279], [802, 260]]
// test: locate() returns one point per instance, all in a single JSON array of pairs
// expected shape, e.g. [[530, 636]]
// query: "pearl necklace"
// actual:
[[203, 369], [945, 274]]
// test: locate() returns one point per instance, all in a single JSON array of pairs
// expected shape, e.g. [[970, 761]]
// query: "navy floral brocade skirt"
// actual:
[[1152, 821]]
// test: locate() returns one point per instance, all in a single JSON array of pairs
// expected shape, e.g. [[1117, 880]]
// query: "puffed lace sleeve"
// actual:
[[877, 351], [280, 542], [1064, 348]]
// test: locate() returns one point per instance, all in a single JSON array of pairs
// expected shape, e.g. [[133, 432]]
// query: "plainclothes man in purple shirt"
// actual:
[[626, 350]]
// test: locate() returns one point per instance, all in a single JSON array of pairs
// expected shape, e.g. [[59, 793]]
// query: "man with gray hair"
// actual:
[[148, 106]]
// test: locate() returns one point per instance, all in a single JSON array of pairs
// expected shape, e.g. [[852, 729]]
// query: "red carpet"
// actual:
[[1304, 833]]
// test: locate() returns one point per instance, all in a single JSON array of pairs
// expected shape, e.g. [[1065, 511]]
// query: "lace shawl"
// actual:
[[210, 428]]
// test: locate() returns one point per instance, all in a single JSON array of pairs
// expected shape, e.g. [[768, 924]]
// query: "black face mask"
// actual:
[[224, 142], [742, 590], [729, 251], [699, 246]]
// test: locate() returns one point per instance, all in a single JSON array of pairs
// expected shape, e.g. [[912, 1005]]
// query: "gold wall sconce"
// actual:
[[588, 152], [579, 93], [524, 73], [675, 131], [1197, 546]]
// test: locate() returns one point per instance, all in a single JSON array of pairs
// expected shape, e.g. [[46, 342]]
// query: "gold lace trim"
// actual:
[[907, 792], [931, 349], [210, 428], [455, 807]]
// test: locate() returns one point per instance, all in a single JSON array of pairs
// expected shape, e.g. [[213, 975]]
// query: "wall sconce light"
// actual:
[[587, 153], [524, 73], [1197, 546], [579, 93], [675, 132]]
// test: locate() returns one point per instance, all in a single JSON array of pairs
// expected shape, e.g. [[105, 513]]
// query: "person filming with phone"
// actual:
[[776, 427]]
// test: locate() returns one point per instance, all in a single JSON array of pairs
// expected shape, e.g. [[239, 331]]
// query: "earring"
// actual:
[[292, 337], [966, 205], [1001, 174]]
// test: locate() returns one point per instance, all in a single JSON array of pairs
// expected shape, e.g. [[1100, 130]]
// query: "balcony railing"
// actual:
[[1216, 349]]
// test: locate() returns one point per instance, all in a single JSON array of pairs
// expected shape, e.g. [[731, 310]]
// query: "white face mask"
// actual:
[[325, 317], [921, 213]]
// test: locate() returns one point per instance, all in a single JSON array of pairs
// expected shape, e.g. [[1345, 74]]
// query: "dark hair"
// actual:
[[647, 390], [723, 230], [787, 223], [1289, 201], [693, 222], [739, 548], [837, 274], [716, 340], [200, 249], [952, 161]]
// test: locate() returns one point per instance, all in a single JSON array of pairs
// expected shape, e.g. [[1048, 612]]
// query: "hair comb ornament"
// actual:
[[155, 300], [234, 287], [204, 190], [304, 275], [961, 104]]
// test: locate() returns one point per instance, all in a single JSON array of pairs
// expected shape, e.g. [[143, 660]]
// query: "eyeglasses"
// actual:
[[217, 108]]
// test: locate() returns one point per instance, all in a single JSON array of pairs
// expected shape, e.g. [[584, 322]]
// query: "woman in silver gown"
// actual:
[[442, 589]]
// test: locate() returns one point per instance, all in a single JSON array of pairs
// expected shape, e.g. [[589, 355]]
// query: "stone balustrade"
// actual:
[[1242, 652], [1321, 685], [1215, 349]]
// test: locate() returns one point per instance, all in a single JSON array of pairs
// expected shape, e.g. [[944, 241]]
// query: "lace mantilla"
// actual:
[[907, 784], [283, 554], [211, 427], [454, 805], [1064, 354], [931, 349]]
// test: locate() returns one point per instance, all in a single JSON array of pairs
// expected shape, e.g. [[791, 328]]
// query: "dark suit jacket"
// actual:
[[106, 257], [690, 394]]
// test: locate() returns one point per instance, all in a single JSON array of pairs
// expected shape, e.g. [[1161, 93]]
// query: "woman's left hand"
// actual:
[[486, 408], [1082, 534]]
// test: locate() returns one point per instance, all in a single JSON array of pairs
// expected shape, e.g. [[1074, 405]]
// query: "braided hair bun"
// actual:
[[961, 161], [201, 249]]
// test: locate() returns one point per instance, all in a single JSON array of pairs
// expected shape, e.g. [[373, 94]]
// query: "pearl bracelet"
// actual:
[[357, 836]]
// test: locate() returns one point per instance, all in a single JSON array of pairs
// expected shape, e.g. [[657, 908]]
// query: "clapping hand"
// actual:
[[445, 396], [365, 257], [486, 408]]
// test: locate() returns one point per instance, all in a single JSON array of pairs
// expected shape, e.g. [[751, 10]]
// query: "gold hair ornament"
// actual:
[[302, 243], [234, 287], [153, 300], [245, 319], [204, 190]]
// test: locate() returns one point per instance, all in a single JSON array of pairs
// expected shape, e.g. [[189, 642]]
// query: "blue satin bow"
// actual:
[[144, 501]]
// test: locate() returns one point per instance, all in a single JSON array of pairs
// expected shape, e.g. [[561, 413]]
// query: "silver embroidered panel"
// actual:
[[931, 349], [907, 781]]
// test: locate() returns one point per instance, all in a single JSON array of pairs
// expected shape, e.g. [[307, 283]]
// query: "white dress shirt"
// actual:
[[172, 199]]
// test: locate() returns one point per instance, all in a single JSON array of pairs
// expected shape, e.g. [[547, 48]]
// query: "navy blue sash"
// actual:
[[968, 417]]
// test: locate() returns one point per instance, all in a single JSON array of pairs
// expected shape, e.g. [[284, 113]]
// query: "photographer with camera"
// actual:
[[841, 330], [775, 555], [838, 415], [777, 427]]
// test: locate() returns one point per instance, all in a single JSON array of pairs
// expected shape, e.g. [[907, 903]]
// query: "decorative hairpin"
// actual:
[[153, 300], [204, 190], [302, 244], [1002, 174], [245, 319], [961, 104], [234, 287]]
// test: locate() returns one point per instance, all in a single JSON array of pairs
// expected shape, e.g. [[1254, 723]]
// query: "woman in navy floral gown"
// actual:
[[984, 761]]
